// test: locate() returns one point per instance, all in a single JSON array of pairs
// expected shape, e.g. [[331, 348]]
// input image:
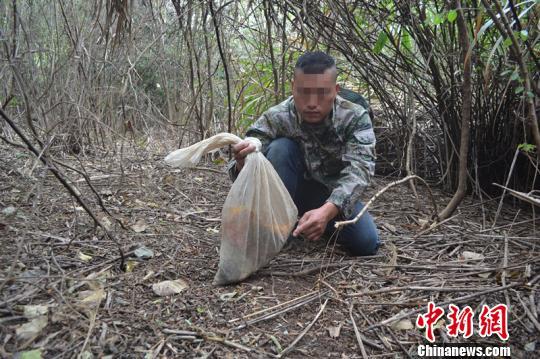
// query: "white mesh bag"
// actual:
[[258, 214]]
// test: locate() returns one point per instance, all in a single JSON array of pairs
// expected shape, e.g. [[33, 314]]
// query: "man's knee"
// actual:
[[361, 238], [368, 245]]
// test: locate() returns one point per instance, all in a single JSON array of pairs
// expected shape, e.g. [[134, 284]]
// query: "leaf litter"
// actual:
[[96, 308]]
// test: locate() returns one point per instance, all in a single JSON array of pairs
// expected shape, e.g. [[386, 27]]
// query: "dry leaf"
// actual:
[[31, 329], [423, 223], [169, 179], [484, 275], [84, 257], [404, 324], [106, 222], [139, 226], [32, 311], [144, 253], [471, 256], [92, 297], [169, 287], [130, 265], [86, 355], [227, 296], [9, 211], [334, 331]]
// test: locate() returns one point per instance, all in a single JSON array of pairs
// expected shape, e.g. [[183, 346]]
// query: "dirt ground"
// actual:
[[64, 294]]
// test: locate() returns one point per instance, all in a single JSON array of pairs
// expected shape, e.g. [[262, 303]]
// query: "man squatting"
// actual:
[[322, 146]]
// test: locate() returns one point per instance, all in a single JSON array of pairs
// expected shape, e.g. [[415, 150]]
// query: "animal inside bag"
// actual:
[[258, 214]]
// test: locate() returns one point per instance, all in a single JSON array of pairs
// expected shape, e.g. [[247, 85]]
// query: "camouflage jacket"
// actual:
[[339, 152]]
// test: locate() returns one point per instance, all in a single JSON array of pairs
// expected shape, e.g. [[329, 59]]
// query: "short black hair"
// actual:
[[315, 62]]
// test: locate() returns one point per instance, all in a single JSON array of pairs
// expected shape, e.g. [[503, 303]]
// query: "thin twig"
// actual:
[[434, 225], [306, 329], [505, 186], [504, 273], [309, 270], [274, 307], [357, 333], [529, 313], [340, 224], [282, 311]]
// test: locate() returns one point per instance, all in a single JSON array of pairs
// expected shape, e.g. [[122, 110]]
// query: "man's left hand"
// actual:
[[313, 223]]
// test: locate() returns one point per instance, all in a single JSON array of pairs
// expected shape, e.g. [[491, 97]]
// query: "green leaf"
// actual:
[[381, 41], [31, 354], [276, 343], [452, 15], [406, 40], [524, 34], [526, 147], [519, 89], [515, 76], [507, 42], [438, 19]]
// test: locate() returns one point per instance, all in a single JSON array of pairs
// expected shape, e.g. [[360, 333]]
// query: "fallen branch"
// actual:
[[527, 197], [202, 335], [304, 332], [531, 316], [284, 310], [434, 225], [357, 333], [274, 307], [309, 270], [378, 194]]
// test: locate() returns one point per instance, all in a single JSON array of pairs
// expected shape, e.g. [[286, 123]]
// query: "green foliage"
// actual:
[[31, 354], [381, 41], [406, 40], [527, 147], [434, 17], [452, 15]]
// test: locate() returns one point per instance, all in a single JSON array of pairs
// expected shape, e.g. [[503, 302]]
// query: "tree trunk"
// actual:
[[466, 95]]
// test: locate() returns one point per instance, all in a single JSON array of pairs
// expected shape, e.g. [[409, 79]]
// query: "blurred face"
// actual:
[[314, 94]]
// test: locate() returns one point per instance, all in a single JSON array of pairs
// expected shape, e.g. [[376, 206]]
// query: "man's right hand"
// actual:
[[240, 151]]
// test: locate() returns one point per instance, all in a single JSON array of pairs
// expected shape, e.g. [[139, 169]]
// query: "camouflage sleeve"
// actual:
[[264, 130], [359, 155]]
